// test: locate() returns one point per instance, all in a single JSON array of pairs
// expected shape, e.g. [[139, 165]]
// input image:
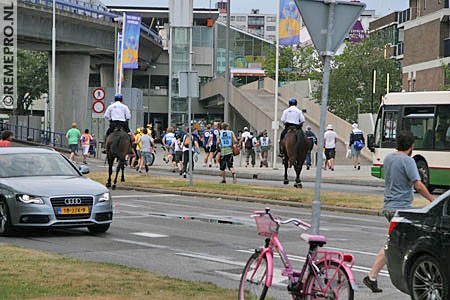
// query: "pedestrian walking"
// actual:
[[207, 146], [178, 158], [214, 146], [169, 141], [243, 136], [330, 139], [7, 137], [226, 139], [312, 141], [400, 175], [186, 152], [86, 139], [73, 137], [249, 144], [355, 145], [148, 144], [265, 145]]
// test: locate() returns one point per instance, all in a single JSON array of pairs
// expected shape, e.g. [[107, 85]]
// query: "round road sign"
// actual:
[[98, 107], [98, 94]]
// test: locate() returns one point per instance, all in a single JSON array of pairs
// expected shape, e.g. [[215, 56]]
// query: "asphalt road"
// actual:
[[209, 239]]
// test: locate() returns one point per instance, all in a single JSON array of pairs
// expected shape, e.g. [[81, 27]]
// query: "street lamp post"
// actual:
[[359, 101], [53, 91]]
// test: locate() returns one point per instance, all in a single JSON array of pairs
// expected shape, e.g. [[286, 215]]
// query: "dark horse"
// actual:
[[295, 146], [118, 146]]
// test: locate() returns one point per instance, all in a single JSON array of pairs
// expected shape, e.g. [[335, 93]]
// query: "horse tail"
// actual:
[[299, 143], [115, 146]]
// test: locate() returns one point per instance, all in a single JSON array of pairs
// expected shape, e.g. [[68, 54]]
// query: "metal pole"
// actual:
[[226, 103], [190, 109], [53, 105], [277, 65], [119, 78], [323, 113], [115, 56]]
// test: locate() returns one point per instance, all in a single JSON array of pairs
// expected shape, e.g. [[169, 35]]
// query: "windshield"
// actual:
[[35, 164]]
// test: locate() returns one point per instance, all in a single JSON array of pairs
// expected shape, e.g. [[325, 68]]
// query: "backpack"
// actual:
[[358, 145], [186, 141], [249, 143]]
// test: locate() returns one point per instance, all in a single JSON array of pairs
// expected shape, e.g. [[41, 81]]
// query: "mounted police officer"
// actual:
[[292, 116], [117, 114]]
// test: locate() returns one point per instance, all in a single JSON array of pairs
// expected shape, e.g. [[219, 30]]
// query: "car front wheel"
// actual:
[[98, 228], [428, 280], [5, 219]]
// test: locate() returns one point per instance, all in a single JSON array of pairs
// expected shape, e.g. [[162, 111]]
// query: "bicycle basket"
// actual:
[[265, 226]]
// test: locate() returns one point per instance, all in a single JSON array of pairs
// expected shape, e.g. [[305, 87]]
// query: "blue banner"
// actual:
[[131, 41], [289, 23]]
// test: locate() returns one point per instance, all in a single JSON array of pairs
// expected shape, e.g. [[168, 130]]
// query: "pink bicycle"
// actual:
[[324, 275]]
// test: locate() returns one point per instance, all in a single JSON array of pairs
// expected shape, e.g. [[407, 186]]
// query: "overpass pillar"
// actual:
[[107, 75], [72, 83], [128, 78]]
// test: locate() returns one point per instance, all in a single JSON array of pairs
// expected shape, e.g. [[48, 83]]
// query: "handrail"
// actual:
[[36, 135], [94, 11]]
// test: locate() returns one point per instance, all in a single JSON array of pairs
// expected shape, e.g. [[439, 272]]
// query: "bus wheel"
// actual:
[[424, 174]]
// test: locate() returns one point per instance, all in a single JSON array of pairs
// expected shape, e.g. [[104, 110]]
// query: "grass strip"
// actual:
[[305, 196], [30, 274]]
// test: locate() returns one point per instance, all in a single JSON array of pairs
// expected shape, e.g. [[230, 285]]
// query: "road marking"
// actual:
[[141, 196], [140, 244], [212, 258], [150, 235], [129, 205], [352, 251]]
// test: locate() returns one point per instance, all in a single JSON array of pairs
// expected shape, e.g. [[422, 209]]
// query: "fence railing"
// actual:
[[100, 12], [28, 134]]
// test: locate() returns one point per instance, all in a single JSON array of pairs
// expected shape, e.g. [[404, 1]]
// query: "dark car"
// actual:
[[40, 188], [418, 250]]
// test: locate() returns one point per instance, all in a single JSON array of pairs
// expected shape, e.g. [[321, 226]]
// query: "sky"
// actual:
[[381, 7]]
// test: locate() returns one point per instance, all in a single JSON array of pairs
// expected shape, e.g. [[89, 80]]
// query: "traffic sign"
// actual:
[[98, 94], [315, 14], [98, 107]]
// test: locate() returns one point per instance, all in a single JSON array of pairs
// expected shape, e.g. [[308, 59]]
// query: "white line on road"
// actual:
[[212, 258], [352, 251], [140, 244], [149, 234], [142, 196]]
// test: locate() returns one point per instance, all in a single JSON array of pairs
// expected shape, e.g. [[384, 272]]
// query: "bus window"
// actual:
[[443, 127], [389, 130], [420, 121]]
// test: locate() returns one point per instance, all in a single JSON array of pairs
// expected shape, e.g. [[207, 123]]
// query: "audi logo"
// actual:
[[72, 201]]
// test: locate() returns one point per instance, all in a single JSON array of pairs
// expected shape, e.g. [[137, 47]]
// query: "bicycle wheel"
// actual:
[[253, 279], [340, 287]]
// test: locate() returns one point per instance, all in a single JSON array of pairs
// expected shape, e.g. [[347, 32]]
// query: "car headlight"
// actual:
[[28, 199], [104, 197]]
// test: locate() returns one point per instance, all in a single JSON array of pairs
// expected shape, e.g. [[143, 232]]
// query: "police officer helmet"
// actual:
[[292, 101], [118, 97]]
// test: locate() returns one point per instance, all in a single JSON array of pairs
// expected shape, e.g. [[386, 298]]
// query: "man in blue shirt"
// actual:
[[400, 175]]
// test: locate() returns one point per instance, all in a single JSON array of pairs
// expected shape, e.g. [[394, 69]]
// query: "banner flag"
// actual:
[[131, 41], [290, 23], [120, 77]]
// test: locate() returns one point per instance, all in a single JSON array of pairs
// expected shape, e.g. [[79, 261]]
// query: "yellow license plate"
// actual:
[[75, 210]]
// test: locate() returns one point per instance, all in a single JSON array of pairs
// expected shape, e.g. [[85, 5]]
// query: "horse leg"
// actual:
[[119, 165], [108, 183], [122, 179], [286, 166], [298, 170]]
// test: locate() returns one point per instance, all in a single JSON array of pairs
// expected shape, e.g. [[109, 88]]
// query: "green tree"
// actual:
[[296, 63], [351, 78], [32, 77]]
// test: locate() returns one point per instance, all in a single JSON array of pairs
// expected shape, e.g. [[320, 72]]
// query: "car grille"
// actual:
[[58, 202]]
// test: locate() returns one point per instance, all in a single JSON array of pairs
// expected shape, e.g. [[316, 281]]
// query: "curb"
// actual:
[[270, 177], [254, 200]]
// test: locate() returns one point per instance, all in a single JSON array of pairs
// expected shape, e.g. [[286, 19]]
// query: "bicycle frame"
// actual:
[[320, 256]]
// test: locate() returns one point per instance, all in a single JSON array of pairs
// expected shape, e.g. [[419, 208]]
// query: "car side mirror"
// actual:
[[371, 142], [84, 169]]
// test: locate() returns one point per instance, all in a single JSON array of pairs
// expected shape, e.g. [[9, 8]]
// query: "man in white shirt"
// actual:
[[292, 116], [117, 114], [330, 147], [244, 137]]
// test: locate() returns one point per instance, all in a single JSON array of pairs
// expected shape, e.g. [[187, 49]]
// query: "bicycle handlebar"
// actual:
[[297, 222]]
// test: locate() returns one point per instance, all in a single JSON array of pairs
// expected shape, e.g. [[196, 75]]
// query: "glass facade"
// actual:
[[244, 49], [180, 61]]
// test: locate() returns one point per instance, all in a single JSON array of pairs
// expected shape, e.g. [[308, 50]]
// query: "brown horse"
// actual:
[[118, 146], [295, 146]]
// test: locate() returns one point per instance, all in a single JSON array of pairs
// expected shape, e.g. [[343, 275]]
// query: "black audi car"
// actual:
[[418, 250]]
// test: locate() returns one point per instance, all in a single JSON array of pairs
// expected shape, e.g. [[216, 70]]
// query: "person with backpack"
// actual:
[[86, 139], [195, 146], [356, 144], [312, 140], [249, 144], [226, 139], [265, 144]]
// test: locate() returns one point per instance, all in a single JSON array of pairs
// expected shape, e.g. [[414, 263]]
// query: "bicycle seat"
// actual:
[[318, 239]]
